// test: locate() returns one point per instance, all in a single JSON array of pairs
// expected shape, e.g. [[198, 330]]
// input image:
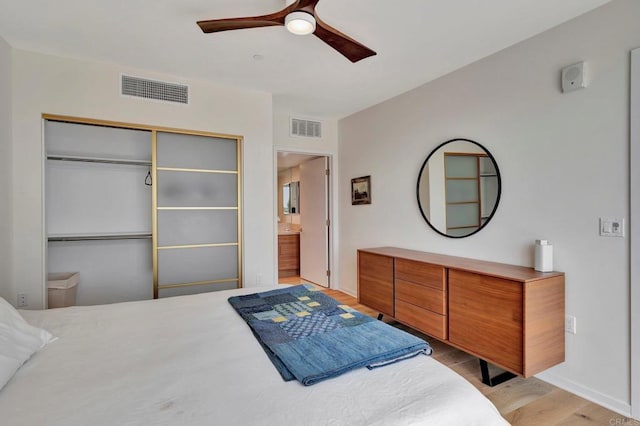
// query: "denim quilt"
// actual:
[[311, 337]]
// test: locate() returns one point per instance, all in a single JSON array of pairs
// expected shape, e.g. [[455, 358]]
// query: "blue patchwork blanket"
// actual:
[[311, 337]]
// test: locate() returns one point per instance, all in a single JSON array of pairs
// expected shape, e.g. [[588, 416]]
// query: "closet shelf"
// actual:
[[103, 236], [98, 160]]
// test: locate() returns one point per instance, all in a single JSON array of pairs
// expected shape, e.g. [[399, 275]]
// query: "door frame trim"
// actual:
[[634, 233], [333, 216]]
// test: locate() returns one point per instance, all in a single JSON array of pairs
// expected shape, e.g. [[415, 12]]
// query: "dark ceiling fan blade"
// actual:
[[277, 18], [344, 44], [217, 25]]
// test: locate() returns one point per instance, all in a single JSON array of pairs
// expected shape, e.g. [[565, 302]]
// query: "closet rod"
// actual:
[[98, 160], [98, 237]]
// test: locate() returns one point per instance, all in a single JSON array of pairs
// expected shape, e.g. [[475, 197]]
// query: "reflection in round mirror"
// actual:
[[458, 188]]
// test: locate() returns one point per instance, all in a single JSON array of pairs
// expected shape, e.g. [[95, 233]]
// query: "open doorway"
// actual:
[[303, 216]]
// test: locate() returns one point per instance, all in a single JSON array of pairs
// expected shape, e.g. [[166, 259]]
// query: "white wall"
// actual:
[[6, 289], [47, 84], [564, 164], [326, 145]]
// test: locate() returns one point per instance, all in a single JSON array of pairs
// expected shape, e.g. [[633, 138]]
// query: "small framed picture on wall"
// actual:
[[361, 190]]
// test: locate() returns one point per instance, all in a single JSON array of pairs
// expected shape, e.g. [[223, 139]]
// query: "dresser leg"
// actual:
[[493, 381], [380, 317]]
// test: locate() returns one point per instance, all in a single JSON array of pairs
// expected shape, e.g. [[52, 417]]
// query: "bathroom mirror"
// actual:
[[291, 198], [458, 188]]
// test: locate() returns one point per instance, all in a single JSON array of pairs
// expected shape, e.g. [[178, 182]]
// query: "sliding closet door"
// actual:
[[197, 217]]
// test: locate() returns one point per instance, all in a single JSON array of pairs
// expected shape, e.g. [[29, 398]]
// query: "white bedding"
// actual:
[[192, 360]]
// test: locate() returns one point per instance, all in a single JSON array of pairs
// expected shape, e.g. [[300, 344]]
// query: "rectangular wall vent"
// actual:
[[306, 128], [152, 89]]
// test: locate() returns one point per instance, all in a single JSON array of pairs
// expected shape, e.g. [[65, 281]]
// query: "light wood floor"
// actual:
[[520, 401]]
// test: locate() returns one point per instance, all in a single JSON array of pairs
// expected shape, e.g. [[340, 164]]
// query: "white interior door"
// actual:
[[314, 234]]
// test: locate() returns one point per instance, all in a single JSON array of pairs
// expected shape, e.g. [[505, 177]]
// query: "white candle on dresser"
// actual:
[[543, 256]]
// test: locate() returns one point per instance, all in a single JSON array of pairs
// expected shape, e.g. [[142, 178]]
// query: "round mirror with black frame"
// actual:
[[458, 188]]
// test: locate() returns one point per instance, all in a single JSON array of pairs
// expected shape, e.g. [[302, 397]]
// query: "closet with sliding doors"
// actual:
[[141, 212]]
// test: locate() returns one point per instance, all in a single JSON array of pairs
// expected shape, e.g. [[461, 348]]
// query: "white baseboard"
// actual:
[[350, 293], [612, 404]]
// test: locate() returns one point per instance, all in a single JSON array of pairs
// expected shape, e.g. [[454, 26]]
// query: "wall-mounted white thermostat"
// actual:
[[573, 77]]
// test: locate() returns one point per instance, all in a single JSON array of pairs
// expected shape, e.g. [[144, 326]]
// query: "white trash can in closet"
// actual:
[[61, 288]]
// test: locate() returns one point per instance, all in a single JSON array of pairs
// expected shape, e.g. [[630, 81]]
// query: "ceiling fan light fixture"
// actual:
[[300, 23]]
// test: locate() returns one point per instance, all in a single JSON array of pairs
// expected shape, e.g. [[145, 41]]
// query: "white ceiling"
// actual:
[[416, 41]]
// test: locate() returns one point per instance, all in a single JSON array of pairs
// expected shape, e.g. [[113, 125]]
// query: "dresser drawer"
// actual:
[[425, 274], [375, 282], [376, 294], [422, 296], [421, 319], [375, 266]]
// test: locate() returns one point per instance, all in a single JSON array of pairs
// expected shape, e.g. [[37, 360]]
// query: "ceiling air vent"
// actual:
[[152, 89], [306, 128]]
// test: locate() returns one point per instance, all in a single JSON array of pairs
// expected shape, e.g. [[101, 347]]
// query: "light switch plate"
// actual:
[[611, 227]]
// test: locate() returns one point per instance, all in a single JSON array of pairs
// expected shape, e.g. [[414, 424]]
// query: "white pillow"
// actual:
[[18, 341]]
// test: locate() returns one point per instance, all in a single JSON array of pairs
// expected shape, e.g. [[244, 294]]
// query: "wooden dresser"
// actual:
[[288, 255], [510, 316]]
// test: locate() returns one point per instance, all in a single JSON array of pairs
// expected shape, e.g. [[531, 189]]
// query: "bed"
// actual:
[[191, 360]]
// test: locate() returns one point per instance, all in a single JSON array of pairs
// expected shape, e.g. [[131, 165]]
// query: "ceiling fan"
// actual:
[[299, 17]]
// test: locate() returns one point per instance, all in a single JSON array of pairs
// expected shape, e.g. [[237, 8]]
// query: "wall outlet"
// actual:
[[570, 324], [22, 300]]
